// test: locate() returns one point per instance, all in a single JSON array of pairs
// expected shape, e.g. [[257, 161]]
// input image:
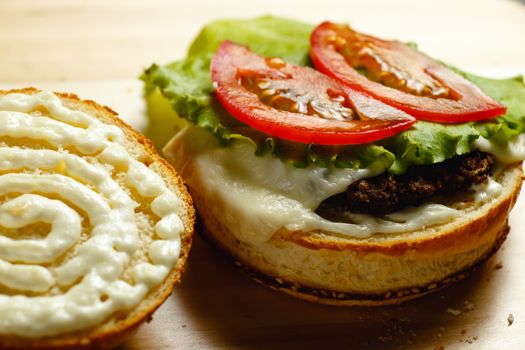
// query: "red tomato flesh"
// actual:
[[399, 76], [298, 103]]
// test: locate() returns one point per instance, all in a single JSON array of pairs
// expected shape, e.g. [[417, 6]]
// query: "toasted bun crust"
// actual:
[[119, 327], [383, 269]]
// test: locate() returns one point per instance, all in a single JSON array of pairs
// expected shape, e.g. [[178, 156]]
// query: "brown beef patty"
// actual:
[[387, 193]]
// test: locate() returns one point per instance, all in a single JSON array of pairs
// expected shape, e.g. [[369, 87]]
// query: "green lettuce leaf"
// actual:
[[184, 89], [268, 36]]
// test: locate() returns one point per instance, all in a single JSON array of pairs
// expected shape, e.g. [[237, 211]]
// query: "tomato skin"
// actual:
[[467, 103], [232, 63]]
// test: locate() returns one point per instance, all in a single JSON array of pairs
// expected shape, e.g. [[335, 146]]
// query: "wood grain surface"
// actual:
[[98, 49]]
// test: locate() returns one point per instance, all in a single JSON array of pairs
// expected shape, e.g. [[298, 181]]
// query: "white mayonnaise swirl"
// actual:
[[73, 278]]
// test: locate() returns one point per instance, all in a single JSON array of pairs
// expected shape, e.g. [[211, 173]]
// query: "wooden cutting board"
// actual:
[[98, 49]]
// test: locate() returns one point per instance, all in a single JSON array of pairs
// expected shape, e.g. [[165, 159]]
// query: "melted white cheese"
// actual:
[[92, 276], [257, 196], [487, 190], [513, 151]]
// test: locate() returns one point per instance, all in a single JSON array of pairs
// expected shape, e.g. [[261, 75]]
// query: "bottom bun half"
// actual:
[[385, 269]]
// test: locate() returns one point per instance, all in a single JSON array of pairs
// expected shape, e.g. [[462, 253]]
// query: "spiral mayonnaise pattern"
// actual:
[[76, 177]]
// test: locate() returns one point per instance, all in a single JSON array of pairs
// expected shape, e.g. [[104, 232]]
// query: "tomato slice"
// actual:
[[298, 103], [399, 76]]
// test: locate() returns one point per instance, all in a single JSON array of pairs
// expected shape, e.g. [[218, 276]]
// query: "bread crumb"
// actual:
[[510, 320], [468, 306], [471, 340], [439, 347], [498, 266], [463, 331], [385, 338], [454, 312]]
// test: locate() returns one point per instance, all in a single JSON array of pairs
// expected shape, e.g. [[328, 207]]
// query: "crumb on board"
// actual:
[[471, 340], [468, 306], [510, 320], [440, 333], [439, 347], [454, 312], [385, 338], [498, 265], [467, 338]]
